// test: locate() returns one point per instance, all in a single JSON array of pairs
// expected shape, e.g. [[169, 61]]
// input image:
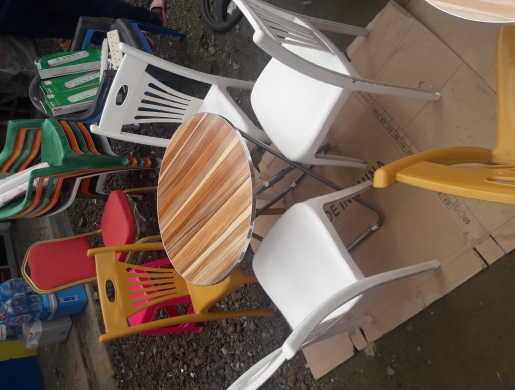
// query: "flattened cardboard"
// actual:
[[464, 235], [471, 41]]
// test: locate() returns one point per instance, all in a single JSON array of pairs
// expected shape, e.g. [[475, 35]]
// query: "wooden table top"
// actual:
[[205, 199], [492, 11]]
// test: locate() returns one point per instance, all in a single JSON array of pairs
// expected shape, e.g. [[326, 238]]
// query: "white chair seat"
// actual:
[[295, 109], [300, 265]]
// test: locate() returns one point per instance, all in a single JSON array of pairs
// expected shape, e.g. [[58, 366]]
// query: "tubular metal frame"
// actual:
[[307, 171]]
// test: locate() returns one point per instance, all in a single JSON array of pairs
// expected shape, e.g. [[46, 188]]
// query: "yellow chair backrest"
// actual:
[[164, 283], [504, 153]]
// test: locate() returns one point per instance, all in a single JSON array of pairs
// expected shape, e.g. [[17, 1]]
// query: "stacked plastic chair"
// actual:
[[76, 164]]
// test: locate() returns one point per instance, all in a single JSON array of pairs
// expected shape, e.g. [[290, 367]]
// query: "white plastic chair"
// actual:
[[306, 83], [149, 100], [306, 270]]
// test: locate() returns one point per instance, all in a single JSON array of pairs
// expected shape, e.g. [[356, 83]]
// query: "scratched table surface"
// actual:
[[206, 199], [490, 11]]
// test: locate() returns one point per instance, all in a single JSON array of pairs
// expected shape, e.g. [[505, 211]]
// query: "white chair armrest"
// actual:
[[259, 372], [345, 194], [340, 28], [169, 66], [401, 273], [331, 77], [234, 83], [128, 137], [182, 71], [302, 331]]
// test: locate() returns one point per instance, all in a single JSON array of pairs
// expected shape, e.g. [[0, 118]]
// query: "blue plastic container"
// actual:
[[64, 303], [71, 301], [48, 306]]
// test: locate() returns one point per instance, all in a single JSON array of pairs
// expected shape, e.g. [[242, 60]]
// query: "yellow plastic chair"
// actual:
[[167, 284], [494, 180]]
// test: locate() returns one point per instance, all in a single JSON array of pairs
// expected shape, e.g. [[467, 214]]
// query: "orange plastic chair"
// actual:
[[167, 284], [494, 179]]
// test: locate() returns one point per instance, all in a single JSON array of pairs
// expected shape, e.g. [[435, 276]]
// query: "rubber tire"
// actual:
[[221, 12]]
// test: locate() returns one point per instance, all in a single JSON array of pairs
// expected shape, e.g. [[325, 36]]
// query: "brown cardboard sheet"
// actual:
[[420, 225]]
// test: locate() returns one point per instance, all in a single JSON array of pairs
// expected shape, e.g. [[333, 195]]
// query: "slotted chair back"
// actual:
[[30, 151], [22, 144], [148, 100], [129, 300], [285, 28], [133, 293]]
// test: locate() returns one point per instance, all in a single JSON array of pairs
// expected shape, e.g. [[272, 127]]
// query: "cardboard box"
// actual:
[[465, 235], [88, 60], [70, 82], [71, 101], [42, 333]]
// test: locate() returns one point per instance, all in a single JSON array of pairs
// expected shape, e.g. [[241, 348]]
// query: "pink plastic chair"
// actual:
[[147, 315]]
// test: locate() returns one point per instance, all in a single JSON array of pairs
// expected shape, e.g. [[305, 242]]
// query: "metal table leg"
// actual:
[[307, 171]]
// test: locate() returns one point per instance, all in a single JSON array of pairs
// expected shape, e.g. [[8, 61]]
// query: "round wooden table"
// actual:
[[491, 11], [206, 199]]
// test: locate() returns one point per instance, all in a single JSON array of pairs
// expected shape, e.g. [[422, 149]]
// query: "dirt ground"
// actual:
[[460, 342]]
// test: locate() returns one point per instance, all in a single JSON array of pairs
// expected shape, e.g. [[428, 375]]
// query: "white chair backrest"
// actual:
[[283, 27], [293, 41], [146, 99], [155, 102]]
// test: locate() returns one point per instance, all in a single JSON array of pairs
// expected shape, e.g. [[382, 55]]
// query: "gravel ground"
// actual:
[[218, 356]]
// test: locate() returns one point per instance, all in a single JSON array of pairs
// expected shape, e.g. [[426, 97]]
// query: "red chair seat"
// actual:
[[57, 263], [118, 224]]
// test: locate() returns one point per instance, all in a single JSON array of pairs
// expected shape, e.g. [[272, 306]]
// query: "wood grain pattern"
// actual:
[[492, 11], [205, 199]]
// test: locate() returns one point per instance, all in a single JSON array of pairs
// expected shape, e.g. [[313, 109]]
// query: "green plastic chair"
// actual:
[[20, 138], [71, 152]]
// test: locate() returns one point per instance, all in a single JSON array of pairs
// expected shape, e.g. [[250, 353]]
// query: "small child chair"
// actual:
[[148, 314], [166, 284]]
